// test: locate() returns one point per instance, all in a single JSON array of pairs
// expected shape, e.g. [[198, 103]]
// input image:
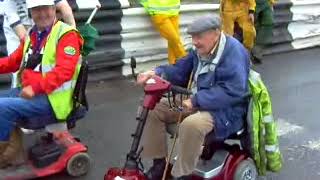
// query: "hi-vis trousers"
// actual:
[[168, 26], [239, 14]]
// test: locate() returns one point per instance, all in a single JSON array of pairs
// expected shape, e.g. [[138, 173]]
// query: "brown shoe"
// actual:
[[3, 147], [157, 170], [13, 149]]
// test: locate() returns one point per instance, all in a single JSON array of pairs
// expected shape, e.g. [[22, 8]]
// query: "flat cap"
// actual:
[[204, 23]]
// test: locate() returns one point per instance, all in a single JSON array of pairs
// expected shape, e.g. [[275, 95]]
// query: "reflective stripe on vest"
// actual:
[[66, 86], [254, 77], [268, 119], [47, 68], [272, 148]]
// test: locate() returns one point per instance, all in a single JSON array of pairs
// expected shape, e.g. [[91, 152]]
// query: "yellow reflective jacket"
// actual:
[[262, 130]]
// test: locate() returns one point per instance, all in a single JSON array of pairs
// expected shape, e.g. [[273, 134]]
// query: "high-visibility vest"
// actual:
[[168, 7], [61, 98], [264, 139]]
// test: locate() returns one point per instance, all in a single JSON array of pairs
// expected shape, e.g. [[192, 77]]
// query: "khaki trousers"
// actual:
[[192, 132], [168, 27]]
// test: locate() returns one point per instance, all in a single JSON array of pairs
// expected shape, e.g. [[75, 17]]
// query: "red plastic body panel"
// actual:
[[154, 89], [124, 174]]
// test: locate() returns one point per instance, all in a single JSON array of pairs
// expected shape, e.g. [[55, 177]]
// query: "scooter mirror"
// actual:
[[133, 64]]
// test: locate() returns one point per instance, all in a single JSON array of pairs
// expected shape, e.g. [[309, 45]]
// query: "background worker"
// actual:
[[65, 12], [241, 12], [164, 15], [264, 25], [11, 28]]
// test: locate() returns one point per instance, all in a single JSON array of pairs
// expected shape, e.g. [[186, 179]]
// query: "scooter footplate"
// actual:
[[208, 169], [17, 172]]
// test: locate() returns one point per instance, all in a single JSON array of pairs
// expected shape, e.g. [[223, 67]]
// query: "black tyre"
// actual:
[[79, 164], [246, 170]]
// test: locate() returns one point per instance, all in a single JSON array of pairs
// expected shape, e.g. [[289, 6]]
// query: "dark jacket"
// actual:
[[221, 92]]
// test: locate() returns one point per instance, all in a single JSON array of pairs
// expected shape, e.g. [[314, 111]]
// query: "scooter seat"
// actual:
[[41, 122]]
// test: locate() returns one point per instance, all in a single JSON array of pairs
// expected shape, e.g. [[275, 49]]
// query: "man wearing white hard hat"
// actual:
[[62, 7], [47, 62]]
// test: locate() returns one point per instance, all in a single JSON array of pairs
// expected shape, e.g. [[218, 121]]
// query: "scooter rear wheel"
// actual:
[[246, 170], [78, 164]]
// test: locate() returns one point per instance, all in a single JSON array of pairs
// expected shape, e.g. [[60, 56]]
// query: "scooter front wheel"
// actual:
[[78, 164]]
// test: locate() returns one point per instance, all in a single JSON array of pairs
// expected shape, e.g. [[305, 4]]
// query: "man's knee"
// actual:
[[153, 117], [197, 123], [155, 120], [191, 125], [5, 109]]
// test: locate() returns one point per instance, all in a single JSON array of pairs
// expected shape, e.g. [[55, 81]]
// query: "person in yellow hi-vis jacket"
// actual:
[[165, 18], [242, 12]]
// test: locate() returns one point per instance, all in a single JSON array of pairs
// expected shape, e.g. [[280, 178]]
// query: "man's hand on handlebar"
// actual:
[[187, 105], [143, 77]]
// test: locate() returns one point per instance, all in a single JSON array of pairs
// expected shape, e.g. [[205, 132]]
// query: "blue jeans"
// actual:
[[14, 108]]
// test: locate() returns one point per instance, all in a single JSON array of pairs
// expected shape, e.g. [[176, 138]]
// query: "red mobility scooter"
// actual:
[[56, 150], [220, 160]]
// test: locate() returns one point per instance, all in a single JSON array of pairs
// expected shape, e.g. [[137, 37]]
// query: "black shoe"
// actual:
[[157, 169], [256, 60], [207, 152], [256, 55]]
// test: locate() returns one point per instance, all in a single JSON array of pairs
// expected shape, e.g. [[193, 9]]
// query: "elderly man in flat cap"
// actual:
[[219, 67]]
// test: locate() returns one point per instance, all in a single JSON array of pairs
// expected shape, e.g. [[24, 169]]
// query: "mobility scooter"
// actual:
[[220, 160], [56, 150]]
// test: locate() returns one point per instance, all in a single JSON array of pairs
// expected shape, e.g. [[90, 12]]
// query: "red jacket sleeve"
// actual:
[[63, 71], [12, 62]]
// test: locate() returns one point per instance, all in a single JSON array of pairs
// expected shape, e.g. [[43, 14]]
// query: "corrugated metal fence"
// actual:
[[296, 27], [141, 41]]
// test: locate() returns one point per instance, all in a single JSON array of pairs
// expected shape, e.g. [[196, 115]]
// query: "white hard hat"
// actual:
[[35, 3]]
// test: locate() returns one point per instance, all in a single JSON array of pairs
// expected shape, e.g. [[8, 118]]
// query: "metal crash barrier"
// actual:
[[127, 31]]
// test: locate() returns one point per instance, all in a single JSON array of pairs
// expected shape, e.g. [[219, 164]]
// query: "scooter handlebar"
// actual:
[[180, 90]]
